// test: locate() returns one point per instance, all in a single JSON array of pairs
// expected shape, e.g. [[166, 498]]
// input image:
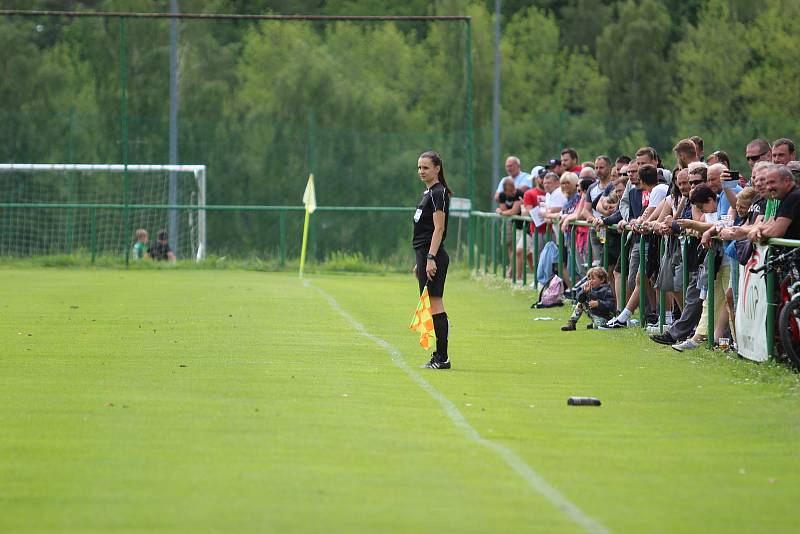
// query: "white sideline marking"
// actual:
[[534, 479]]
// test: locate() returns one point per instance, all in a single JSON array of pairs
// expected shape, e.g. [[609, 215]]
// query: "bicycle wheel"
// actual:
[[789, 328]]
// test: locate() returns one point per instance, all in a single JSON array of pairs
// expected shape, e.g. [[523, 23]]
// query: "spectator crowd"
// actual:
[[701, 206]]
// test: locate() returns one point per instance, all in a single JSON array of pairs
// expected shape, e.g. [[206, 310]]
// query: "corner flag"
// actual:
[[310, 197], [310, 201], [423, 321]]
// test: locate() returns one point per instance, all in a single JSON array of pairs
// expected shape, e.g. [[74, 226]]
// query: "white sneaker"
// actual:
[[689, 344], [614, 323]]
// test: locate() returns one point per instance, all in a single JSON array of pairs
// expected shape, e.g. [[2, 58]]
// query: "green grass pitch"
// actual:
[[192, 401]]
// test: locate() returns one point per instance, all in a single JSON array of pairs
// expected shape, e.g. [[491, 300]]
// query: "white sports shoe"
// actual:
[[689, 344], [614, 323]]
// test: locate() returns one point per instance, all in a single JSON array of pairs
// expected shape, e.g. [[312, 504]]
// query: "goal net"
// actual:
[[52, 209]]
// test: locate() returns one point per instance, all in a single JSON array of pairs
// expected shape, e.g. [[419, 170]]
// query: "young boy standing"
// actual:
[[595, 299]]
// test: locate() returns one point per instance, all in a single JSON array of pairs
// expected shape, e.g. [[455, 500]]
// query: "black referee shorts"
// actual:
[[435, 286]]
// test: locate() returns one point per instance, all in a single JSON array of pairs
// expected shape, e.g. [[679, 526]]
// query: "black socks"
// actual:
[[441, 327]]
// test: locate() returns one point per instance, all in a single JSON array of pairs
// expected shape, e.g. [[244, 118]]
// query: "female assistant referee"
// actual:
[[430, 231]]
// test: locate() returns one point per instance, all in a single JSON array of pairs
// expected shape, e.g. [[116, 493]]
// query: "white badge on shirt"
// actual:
[[417, 215]]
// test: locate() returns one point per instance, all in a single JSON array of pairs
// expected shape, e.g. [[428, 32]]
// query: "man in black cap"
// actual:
[[554, 165]]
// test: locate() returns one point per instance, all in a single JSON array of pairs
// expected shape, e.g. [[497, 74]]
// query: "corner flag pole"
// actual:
[[310, 201]]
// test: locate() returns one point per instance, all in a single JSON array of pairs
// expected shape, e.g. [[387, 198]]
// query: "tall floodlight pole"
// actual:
[[496, 100], [173, 124]]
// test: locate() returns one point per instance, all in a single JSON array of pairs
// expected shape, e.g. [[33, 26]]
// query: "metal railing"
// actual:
[[490, 241], [282, 211]]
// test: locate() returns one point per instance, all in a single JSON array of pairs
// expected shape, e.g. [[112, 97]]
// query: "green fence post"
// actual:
[[772, 306], [710, 267], [126, 232], [535, 258], [623, 268], [470, 242], [93, 231], [70, 225], [590, 251], [475, 262], [513, 258], [503, 251], [469, 119], [685, 273], [605, 249], [662, 295], [561, 253], [524, 257], [495, 239], [573, 271], [487, 241], [642, 292], [282, 246]]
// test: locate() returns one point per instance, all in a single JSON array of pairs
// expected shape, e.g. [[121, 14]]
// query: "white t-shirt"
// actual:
[[657, 195], [595, 191], [556, 199], [523, 178]]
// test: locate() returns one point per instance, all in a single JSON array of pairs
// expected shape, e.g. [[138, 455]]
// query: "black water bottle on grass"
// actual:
[[583, 401]]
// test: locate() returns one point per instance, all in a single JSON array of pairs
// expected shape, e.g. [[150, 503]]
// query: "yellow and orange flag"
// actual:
[[423, 321]]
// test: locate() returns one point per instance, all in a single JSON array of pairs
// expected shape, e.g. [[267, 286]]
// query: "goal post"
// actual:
[[52, 208]]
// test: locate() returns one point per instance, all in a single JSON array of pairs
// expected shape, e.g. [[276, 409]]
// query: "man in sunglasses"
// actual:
[[755, 214], [758, 150]]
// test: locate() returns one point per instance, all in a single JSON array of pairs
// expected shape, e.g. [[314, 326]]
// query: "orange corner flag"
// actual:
[[423, 321]]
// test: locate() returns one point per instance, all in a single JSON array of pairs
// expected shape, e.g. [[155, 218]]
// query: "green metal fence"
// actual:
[[275, 230], [490, 233]]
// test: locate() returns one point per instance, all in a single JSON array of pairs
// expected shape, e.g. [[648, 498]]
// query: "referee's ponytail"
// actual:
[[437, 160]]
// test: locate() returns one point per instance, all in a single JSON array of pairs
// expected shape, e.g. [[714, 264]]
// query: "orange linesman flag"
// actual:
[[423, 321]]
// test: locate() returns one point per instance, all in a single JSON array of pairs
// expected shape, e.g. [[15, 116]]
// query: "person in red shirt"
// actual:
[[569, 161], [530, 202]]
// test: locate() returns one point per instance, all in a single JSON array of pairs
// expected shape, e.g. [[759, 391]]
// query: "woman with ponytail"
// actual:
[[430, 231]]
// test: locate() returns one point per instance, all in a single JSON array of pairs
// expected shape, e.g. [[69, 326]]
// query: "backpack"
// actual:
[[552, 293]]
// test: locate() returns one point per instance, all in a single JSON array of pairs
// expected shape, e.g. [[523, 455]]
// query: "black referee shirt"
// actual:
[[433, 199]]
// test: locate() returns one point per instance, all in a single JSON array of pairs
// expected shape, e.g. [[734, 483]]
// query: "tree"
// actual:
[[633, 53], [770, 86], [583, 21], [709, 65]]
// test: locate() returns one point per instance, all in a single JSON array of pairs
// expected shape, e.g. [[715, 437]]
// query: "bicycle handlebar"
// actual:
[[777, 259]]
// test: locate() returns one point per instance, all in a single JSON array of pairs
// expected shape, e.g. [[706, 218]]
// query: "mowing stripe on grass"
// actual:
[[534, 479]]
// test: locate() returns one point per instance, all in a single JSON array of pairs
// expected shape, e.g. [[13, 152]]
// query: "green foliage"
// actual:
[[583, 22], [633, 53], [263, 104], [710, 63], [770, 86]]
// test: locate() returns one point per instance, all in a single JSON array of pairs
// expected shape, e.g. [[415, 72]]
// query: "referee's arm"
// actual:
[[438, 231]]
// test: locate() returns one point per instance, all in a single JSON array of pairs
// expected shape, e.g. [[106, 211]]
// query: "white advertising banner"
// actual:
[[751, 310]]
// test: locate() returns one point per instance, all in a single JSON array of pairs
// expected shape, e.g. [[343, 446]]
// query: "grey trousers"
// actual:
[[692, 309]]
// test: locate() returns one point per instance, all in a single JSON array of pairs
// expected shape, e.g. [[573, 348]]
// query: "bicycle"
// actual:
[[787, 267]]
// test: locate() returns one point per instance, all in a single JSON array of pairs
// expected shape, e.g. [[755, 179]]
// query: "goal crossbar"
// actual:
[[115, 167]]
